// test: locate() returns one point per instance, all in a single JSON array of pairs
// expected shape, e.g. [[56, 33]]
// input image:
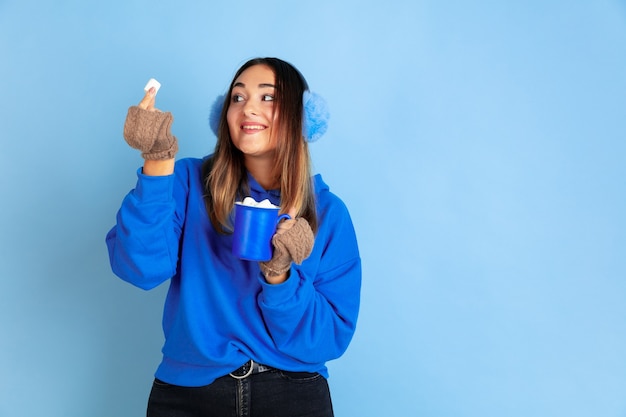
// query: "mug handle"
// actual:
[[282, 217]]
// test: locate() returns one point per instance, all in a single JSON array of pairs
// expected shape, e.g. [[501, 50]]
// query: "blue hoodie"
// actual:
[[219, 311]]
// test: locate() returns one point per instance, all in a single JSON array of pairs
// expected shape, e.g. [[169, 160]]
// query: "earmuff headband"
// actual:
[[314, 121]]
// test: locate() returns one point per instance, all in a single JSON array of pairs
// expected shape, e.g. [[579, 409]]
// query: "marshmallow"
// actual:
[[249, 201], [152, 83], [266, 204]]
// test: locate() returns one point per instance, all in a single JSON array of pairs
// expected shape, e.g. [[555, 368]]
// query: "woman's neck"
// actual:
[[262, 171]]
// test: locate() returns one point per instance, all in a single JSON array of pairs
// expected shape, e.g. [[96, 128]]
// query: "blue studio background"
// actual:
[[480, 147]]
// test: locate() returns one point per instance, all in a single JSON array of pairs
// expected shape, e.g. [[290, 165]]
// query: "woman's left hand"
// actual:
[[293, 242], [285, 225]]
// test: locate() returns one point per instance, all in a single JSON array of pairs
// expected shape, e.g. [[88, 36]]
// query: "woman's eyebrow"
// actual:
[[262, 85]]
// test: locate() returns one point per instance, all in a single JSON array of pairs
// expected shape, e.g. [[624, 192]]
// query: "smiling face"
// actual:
[[252, 117]]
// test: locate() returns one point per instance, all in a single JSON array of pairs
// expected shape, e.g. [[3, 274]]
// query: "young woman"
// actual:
[[242, 338]]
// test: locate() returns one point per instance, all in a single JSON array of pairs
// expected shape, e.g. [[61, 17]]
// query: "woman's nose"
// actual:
[[249, 108]]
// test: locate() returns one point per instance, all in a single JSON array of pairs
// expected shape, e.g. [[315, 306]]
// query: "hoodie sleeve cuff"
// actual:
[[154, 188], [277, 294]]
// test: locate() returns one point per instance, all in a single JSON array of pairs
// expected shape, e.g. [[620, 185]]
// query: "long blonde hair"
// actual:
[[224, 173]]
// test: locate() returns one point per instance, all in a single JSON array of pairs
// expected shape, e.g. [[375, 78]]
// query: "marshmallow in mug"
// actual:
[[249, 201]]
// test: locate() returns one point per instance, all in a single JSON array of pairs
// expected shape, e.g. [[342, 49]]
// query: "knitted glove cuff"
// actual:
[[149, 132], [269, 269], [295, 245]]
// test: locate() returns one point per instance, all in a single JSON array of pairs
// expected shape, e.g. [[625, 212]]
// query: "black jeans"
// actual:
[[267, 394]]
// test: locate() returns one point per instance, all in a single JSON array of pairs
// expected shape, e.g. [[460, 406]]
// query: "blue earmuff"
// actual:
[[314, 122], [216, 112]]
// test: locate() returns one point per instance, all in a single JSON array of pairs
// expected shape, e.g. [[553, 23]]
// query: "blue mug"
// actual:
[[253, 231]]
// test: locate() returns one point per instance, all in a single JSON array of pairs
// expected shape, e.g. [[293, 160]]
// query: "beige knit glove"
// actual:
[[295, 245], [149, 131]]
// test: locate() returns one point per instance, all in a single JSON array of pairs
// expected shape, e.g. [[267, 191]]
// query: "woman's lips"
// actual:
[[252, 127]]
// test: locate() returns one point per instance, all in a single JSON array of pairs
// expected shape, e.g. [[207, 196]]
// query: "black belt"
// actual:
[[250, 368]]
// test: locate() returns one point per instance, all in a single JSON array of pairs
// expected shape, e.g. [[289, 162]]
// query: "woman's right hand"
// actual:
[[148, 130], [148, 101]]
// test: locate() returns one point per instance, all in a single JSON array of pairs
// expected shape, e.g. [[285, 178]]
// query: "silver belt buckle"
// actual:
[[248, 372]]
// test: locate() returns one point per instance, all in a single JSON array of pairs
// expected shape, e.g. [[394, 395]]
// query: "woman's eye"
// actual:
[[268, 97], [237, 98]]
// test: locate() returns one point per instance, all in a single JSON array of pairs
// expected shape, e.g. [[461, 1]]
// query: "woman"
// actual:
[[241, 337]]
